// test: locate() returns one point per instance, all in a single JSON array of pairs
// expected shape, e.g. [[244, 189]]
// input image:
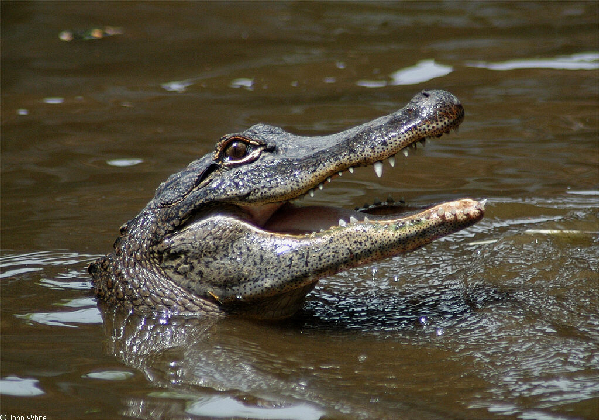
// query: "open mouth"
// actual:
[[290, 218], [294, 219]]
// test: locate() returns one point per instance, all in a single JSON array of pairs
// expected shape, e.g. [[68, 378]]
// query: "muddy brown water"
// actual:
[[498, 321]]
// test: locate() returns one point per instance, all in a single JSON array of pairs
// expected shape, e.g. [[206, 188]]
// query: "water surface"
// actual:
[[498, 321]]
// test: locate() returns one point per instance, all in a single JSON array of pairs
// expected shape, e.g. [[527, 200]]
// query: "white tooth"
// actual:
[[329, 179], [405, 152], [340, 173], [352, 219], [351, 170], [366, 219], [311, 192], [342, 223], [378, 169], [392, 161], [320, 186]]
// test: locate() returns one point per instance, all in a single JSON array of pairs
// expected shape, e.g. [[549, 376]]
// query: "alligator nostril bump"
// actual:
[[425, 94]]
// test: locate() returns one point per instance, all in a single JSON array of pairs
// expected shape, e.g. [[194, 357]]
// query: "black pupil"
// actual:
[[236, 150]]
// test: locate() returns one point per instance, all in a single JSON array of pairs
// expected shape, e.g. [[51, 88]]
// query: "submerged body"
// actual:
[[222, 235]]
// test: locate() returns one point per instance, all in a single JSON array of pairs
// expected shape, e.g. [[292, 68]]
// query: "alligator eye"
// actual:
[[236, 150]]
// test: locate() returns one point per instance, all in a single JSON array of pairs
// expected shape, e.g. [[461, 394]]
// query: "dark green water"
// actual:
[[498, 321]]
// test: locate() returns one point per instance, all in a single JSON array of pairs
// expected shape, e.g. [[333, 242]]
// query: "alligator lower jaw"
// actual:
[[292, 239]]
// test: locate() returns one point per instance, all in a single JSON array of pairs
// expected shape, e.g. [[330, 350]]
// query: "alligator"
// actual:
[[226, 235]]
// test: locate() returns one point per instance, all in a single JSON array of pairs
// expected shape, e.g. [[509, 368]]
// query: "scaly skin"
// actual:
[[221, 236]]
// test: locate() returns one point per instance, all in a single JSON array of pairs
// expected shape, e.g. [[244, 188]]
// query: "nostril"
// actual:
[[425, 94]]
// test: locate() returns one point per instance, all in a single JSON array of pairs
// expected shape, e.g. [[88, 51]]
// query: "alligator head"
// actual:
[[223, 236]]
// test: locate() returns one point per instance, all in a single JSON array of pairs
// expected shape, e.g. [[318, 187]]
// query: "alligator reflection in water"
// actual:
[[197, 361]]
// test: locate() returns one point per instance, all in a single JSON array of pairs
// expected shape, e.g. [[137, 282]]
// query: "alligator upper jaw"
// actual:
[[295, 166]]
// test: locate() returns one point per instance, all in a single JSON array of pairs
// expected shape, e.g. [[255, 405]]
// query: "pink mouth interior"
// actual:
[[289, 218]]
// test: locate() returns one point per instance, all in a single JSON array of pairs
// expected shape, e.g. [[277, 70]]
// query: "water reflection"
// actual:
[[581, 61], [192, 356], [64, 318], [20, 387], [423, 71]]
